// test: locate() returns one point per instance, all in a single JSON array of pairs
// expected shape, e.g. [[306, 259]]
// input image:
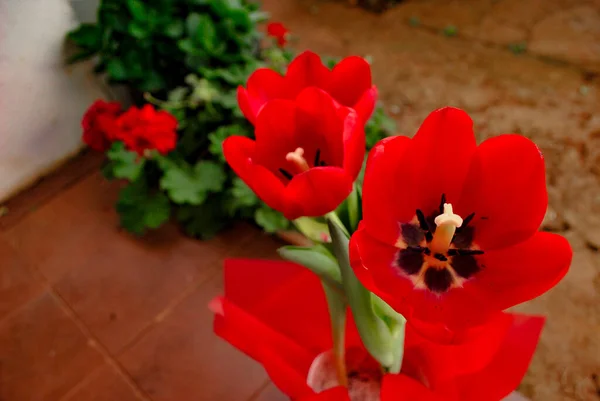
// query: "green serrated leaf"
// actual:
[[87, 36], [125, 164], [137, 9], [140, 209], [116, 70], [270, 220], [175, 29], [191, 186], [138, 30], [240, 197], [203, 221]]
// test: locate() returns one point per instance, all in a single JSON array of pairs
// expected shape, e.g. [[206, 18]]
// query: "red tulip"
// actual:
[[306, 156], [450, 229], [147, 129], [349, 83], [276, 313], [97, 123], [279, 32]]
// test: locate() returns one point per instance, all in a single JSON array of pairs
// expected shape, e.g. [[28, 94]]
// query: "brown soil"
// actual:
[[550, 93]]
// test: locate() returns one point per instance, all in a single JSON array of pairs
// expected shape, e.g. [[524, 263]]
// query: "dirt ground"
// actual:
[[530, 67]]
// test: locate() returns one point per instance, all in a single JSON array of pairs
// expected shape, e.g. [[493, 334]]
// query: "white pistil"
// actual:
[[297, 158], [446, 223]]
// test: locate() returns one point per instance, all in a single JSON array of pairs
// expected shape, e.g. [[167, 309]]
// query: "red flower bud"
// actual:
[[98, 122]]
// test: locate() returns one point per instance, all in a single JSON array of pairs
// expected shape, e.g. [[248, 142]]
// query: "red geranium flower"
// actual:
[[98, 122], [279, 32], [349, 83], [147, 129], [277, 314], [450, 229], [306, 156]]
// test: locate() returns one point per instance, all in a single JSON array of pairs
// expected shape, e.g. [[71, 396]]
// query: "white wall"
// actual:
[[41, 100]]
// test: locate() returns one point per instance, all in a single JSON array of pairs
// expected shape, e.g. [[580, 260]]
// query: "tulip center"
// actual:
[[296, 158], [436, 251], [446, 223]]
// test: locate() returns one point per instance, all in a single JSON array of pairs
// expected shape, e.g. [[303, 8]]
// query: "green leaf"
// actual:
[[202, 31], [116, 70], [125, 164], [87, 36], [137, 10], [187, 185], [140, 209], [174, 29], [312, 228], [138, 30], [203, 221], [317, 259], [240, 197], [270, 220], [153, 81]]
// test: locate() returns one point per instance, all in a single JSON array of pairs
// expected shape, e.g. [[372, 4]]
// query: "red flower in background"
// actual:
[[450, 230], [306, 155], [349, 83], [277, 314], [147, 129], [97, 122], [279, 32]]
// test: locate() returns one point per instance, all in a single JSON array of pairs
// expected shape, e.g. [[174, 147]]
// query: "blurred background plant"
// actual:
[[188, 57]]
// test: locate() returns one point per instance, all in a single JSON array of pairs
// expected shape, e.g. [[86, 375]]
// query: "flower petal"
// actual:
[[354, 142], [304, 71], [238, 152], [506, 189], [506, 371], [318, 126], [522, 272], [263, 85], [274, 132], [316, 192], [350, 79], [385, 201], [403, 388], [366, 104], [334, 394], [245, 104]]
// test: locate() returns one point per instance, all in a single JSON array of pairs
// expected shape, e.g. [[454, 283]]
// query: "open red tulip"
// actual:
[[450, 229], [306, 155], [349, 83], [277, 314]]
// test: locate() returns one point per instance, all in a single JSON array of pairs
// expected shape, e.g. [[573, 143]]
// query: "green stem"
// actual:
[[337, 313]]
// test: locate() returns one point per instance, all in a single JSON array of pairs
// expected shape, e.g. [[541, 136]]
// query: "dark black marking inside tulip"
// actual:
[[412, 234], [465, 265], [410, 260], [286, 174], [438, 280], [318, 158]]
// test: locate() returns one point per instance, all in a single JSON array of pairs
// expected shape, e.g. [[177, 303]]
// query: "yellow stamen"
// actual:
[[446, 223], [297, 158]]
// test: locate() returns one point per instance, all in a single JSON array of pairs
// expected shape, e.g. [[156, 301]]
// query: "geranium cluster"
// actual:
[[440, 240]]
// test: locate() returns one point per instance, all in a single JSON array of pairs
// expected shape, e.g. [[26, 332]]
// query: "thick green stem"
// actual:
[[337, 314]]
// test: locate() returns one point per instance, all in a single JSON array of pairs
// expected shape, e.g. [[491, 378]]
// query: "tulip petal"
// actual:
[[402, 388], [506, 371], [354, 142], [317, 192], [506, 189], [263, 85], [366, 104], [318, 127], [243, 99], [385, 201], [522, 272], [304, 71], [238, 151], [350, 78], [334, 394]]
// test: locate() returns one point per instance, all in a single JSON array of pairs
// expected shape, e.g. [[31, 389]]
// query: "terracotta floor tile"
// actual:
[[17, 283], [42, 353], [270, 393], [181, 359], [115, 282], [104, 385]]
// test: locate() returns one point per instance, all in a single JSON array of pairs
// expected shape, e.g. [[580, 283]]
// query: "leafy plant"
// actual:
[[189, 57]]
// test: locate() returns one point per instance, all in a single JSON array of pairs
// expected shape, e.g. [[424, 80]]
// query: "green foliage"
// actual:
[[189, 57], [153, 44]]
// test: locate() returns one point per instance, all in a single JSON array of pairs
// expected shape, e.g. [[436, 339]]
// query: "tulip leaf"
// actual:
[[318, 260], [381, 337], [313, 229]]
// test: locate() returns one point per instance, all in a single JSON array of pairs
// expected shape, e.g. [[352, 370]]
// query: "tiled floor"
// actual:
[[88, 313]]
